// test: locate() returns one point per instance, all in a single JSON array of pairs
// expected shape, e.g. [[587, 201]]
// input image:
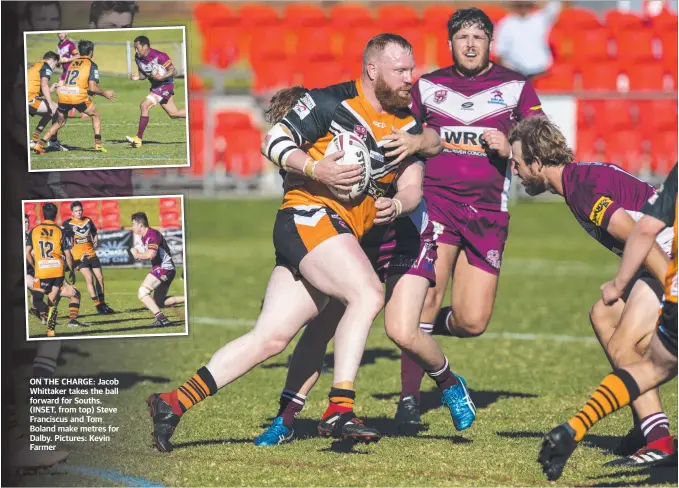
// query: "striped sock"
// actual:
[[655, 426], [411, 372], [73, 309], [44, 367], [617, 390], [444, 377], [441, 325], [341, 401], [291, 403], [198, 388], [96, 301]]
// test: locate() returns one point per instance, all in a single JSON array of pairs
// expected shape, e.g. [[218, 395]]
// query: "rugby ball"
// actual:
[[355, 152], [158, 69]]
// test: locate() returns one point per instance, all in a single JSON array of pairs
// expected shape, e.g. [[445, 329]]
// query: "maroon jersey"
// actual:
[[148, 62], [66, 48], [153, 239], [460, 108], [594, 191]]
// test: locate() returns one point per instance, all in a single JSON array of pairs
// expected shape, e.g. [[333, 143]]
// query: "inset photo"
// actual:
[[112, 267], [106, 99]]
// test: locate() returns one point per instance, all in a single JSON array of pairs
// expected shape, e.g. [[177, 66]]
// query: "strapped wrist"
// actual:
[[399, 206]]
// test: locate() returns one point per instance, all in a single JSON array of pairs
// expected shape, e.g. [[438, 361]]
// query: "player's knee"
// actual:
[[75, 295], [400, 332], [599, 317], [143, 292], [272, 346], [472, 323], [370, 299]]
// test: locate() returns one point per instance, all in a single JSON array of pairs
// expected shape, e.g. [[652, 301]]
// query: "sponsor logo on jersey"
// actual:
[[381, 125], [468, 106], [497, 98], [301, 110], [361, 132], [440, 96], [438, 229], [377, 156], [308, 101], [599, 210], [464, 140]]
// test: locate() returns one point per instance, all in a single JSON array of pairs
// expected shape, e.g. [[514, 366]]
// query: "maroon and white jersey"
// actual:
[[460, 108], [153, 239], [594, 191], [66, 48], [148, 62]]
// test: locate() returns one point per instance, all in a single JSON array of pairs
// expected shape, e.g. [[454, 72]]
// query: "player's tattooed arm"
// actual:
[[640, 248], [171, 71]]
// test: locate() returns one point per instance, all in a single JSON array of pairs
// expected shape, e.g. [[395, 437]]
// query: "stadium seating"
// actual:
[[619, 21], [169, 203], [559, 79], [31, 210], [170, 219], [243, 158], [111, 220], [601, 76]]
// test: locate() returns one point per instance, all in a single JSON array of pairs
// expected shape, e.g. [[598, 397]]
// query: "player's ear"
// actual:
[[371, 68], [450, 45], [538, 164]]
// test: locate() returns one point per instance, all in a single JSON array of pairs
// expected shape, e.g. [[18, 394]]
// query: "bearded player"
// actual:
[[472, 105], [659, 365], [84, 235], [605, 201], [157, 67], [316, 236], [158, 281], [82, 79]]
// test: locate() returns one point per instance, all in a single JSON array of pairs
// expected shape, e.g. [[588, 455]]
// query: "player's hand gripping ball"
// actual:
[[355, 152]]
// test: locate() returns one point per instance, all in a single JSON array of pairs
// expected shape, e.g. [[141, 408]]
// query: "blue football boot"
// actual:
[[460, 404], [276, 434]]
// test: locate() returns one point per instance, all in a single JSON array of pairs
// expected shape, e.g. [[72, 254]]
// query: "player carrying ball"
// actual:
[[155, 66]]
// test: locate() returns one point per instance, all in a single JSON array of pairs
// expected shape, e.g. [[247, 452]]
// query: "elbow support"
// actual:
[[279, 144]]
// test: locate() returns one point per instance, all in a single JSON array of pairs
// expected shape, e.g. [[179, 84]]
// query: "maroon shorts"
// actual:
[[406, 246], [164, 91], [163, 274], [481, 233]]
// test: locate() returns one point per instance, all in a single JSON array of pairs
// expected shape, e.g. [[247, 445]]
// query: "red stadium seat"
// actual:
[[208, 14], [435, 20], [626, 148], [221, 46], [587, 114], [315, 42], [322, 72], [664, 147], [32, 221], [31, 208], [243, 157], [350, 15], [195, 83], [601, 76], [110, 206], [197, 144], [665, 22], [494, 12], [417, 38], [648, 76], [658, 115], [616, 115], [559, 78], [590, 146], [562, 44], [635, 45], [578, 18], [397, 16], [65, 209], [273, 73], [258, 15], [91, 209], [304, 15], [591, 46], [669, 47], [170, 218], [617, 20], [168, 203], [111, 221], [231, 120]]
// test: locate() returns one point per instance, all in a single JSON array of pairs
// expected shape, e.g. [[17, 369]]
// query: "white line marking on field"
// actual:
[[227, 322]]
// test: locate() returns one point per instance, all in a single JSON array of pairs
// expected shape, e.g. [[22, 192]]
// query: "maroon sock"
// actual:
[[143, 122], [441, 322], [411, 377], [444, 377], [291, 403], [655, 426]]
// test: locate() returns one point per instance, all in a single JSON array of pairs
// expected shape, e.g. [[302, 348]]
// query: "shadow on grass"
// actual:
[[140, 328], [370, 356]]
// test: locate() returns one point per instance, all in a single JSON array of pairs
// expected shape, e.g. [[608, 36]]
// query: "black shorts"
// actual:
[[64, 108], [667, 326], [34, 106], [87, 262], [47, 284], [644, 275], [299, 230]]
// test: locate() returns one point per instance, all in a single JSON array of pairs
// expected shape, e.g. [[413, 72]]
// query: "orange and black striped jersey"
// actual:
[[49, 243], [663, 206], [320, 115], [35, 74], [82, 233], [77, 81]]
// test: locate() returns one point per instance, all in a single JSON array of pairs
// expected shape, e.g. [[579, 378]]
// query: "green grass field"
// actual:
[[535, 367], [165, 140], [131, 316]]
